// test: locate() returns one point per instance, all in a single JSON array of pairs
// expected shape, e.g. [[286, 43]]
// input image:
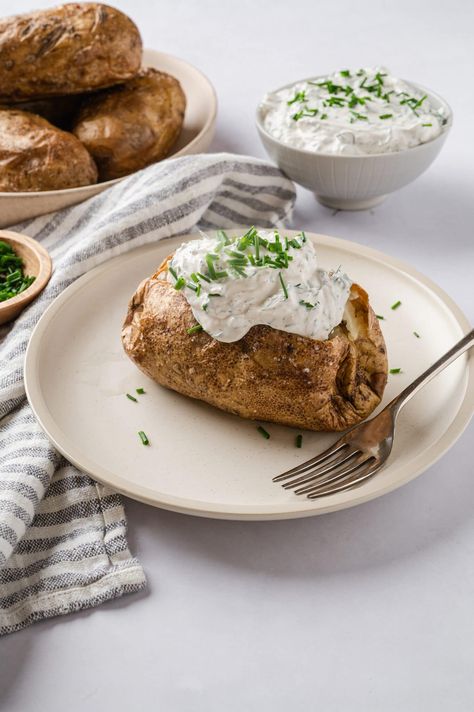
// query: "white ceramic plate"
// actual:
[[202, 461], [196, 136]]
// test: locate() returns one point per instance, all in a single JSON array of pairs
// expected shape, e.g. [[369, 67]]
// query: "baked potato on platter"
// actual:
[[132, 125], [71, 49], [35, 155], [279, 375]]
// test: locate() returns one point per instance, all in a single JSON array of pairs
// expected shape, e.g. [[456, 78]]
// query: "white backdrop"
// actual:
[[367, 609]]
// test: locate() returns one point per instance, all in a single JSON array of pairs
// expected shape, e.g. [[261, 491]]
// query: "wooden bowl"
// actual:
[[36, 262]]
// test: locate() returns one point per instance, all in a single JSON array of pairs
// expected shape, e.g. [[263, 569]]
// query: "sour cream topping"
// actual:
[[352, 113], [262, 277]]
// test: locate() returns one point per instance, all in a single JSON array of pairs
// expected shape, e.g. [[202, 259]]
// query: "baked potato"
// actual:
[[34, 155], [69, 49], [132, 125], [267, 375]]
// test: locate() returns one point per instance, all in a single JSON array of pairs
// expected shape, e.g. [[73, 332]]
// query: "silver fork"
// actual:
[[363, 450]]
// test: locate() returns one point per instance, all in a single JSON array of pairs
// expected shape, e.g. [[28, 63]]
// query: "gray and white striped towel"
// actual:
[[63, 542]]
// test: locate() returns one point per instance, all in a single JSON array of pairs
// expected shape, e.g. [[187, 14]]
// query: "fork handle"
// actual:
[[463, 345]]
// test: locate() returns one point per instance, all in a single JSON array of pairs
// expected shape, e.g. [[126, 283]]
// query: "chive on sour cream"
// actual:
[[352, 113], [261, 277]]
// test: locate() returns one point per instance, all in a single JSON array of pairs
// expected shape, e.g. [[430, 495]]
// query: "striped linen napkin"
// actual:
[[63, 544]]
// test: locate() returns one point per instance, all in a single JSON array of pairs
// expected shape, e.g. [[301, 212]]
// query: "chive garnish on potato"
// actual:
[[263, 432], [283, 286], [194, 329]]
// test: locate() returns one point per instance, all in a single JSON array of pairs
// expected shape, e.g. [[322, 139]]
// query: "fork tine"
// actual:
[[333, 450], [347, 483], [318, 471], [335, 477]]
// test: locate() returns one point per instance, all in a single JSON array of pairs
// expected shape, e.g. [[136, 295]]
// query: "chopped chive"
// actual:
[[192, 286], [143, 437], [214, 294], [299, 96], [210, 267], [379, 316], [417, 335], [395, 370], [194, 329], [203, 276], [386, 116], [396, 305], [221, 234], [140, 391], [427, 124], [195, 278], [179, 284], [173, 272], [283, 286], [299, 440], [132, 398], [345, 73], [263, 432], [221, 275], [308, 305]]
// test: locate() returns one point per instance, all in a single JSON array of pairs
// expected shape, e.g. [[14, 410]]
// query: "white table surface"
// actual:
[[367, 609]]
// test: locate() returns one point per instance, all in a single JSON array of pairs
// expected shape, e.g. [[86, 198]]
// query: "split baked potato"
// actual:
[[130, 126], [71, 49], [34, 155], [267, 375]]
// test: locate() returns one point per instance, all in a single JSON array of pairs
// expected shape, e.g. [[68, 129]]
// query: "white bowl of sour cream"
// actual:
[[353, 136]]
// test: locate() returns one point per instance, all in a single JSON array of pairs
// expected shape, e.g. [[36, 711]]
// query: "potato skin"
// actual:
[[132, 125], [69, 49], [267, 375], [34, 155]]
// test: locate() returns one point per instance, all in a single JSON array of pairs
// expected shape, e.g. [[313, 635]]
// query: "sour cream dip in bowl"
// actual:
[[354, 136]]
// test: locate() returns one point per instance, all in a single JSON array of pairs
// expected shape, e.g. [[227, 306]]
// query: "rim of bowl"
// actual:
[[45, 268], [419, 87], [107, 183]]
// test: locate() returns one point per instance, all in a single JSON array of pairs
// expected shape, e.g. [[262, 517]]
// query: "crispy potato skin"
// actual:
[[132, 125], [267, 375], [34, 155], [69, 49]]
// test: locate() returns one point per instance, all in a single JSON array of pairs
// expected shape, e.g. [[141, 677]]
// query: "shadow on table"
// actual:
[[419, 516]]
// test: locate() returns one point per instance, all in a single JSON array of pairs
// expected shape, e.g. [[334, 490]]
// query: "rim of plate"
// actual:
[[201, 508], [147, 55]]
